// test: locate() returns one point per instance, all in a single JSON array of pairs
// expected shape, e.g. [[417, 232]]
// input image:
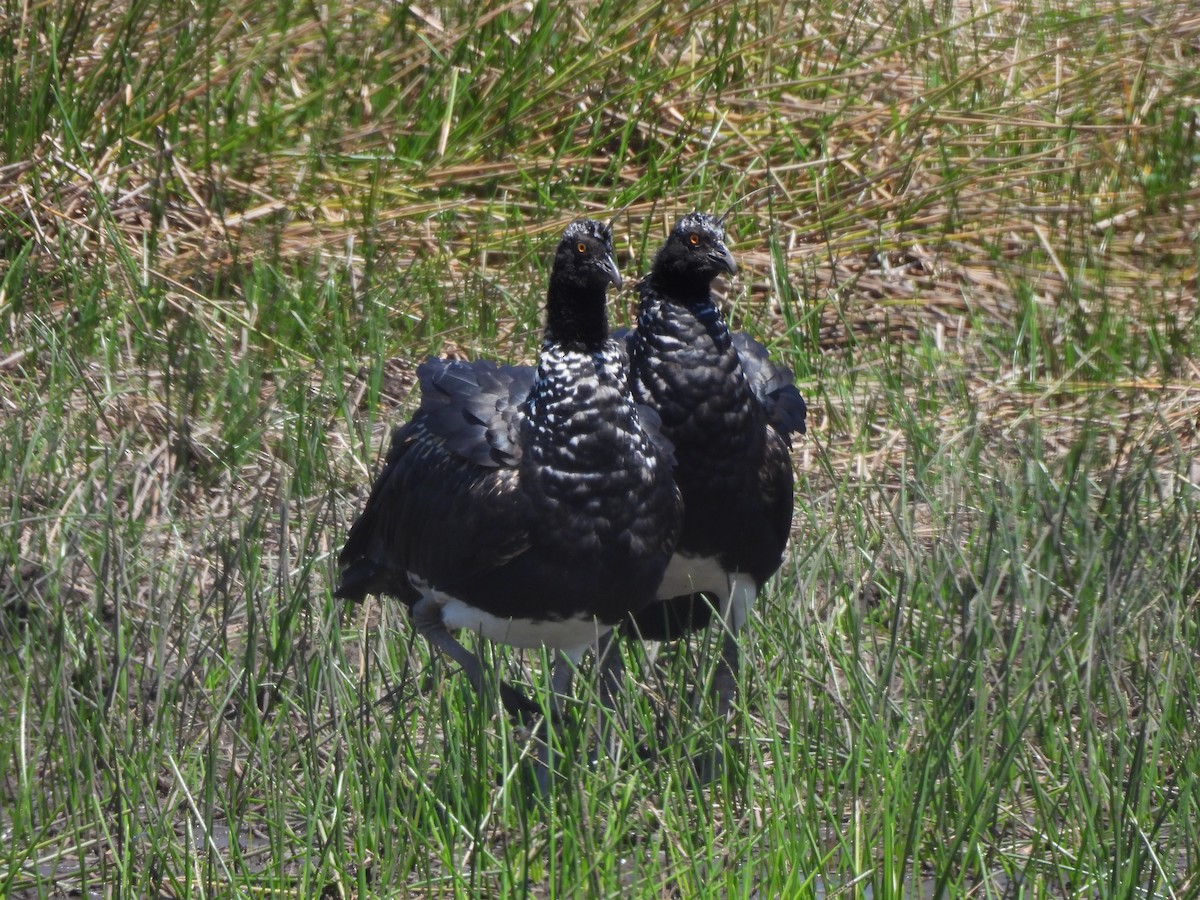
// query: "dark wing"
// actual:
[[447, 503], [772, 385], [434, 513], [776, 484], [474, 407]]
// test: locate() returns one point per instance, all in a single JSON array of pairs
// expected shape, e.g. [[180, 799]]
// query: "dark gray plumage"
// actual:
[[730, 413], [532, 506]]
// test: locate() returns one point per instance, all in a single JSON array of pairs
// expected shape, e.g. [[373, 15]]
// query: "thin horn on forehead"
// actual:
[[742, 199]]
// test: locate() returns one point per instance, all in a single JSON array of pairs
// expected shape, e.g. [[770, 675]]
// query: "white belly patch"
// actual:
[[735, 591], [691, 574], [572, 637]]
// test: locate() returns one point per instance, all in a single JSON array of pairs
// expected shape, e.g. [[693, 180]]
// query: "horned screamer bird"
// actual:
[[729, 412], [534, 507]]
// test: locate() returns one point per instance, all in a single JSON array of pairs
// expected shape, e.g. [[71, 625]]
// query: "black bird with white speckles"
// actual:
[[729, 412], [535, 507]]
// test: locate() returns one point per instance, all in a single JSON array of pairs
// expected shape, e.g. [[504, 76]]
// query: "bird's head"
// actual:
[[585, 255], [693, 254], [583, 269]]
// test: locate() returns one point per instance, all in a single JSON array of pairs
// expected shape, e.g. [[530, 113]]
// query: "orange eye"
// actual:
[[581, 247], [693, 239]]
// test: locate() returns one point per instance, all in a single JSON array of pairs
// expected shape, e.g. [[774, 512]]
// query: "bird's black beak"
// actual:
[[723, 258], [610, 269]]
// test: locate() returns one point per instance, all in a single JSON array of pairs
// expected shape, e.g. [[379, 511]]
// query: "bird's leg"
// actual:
[[562, 673], [611, 672], [427, 619], [735, 608], [725, 680]]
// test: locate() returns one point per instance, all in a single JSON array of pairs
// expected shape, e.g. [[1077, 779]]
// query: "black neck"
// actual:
[[694, 293], [576, 316]]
